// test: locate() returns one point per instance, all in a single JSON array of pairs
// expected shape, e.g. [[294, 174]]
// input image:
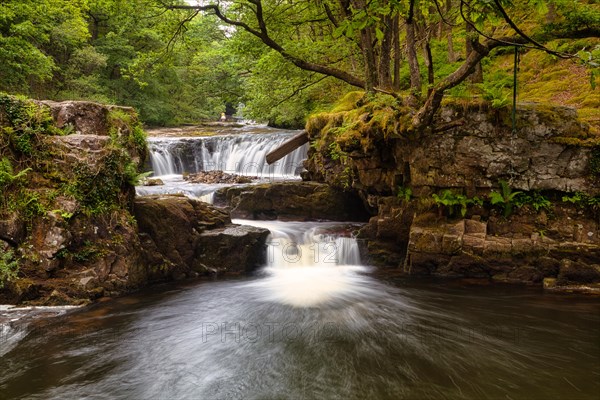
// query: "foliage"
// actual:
[[582, 200], [182, 66], [505, 199], [22, 120], [126, 131], [102, 188], [7, 175], [404, 193], [455, 203], [9, 267], [133, 177], [535, 199]]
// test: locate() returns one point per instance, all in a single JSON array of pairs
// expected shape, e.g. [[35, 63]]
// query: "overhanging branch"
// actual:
[[263, 35]]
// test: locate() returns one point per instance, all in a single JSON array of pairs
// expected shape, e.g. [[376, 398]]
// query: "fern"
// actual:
[[7, 175], [505, 198]]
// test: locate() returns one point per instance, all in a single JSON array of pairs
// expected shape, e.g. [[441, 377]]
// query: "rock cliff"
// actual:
[[69, 230], [549, 166]]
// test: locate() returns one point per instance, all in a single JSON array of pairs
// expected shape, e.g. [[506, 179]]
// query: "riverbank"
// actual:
[[469, 197]]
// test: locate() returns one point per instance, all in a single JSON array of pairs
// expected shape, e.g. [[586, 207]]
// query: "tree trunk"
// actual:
[[411, 55], [366, 40], [429, 63], [397, 51], [452, 56], [287, 147], [471, 41], [385, 77], [551, 14]]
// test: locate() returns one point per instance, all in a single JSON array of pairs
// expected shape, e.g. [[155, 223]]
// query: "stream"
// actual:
[[239, 151], [313, 323]]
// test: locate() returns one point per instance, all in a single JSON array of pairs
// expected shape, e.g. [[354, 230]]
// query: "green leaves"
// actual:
[[9, 267], [505, 198], [455, 203]]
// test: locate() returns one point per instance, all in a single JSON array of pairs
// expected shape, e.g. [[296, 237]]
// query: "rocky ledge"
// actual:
[[70, 228], [291, 200], [183, 238], [477, 162], [565, 256]]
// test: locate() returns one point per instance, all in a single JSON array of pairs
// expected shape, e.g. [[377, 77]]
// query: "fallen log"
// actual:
[[287, 147]]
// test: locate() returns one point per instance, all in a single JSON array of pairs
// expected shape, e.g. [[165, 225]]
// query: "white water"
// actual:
[[14, 321], [240, 153], [308, 267]]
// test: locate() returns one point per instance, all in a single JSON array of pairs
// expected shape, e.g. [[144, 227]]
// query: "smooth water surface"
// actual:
[[359, 337]]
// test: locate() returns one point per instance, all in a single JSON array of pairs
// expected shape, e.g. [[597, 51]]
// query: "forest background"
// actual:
[[181, 66]]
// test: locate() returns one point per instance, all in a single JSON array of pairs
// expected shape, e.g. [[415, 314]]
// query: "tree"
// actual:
[[370, 29], [36, 36]]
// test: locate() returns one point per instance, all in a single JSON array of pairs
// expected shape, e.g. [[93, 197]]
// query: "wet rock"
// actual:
[[153, 182], [217, 177], [571, 271], [291, 200], [214, 248], [12, 229], [183, 237]]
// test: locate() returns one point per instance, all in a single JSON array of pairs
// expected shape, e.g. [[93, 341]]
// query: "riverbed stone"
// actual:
[[214, 249]]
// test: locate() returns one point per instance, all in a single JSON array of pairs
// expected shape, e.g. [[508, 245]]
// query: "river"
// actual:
[[317, 331], [314, 323]]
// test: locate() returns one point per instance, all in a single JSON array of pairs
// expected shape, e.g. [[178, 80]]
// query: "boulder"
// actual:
[[85, 117], [184, 237]]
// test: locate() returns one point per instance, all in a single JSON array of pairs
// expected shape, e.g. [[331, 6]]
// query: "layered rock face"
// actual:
[[550, 152], [182, 237], [545, 153], [68, 229], [291, 200], [565, 252]]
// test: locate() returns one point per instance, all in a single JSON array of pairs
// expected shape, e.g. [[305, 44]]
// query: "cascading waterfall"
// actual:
[[307, 267], [242, 154]]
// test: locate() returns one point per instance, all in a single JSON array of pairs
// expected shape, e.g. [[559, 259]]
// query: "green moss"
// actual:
[[126, 131], [22, 120], [9, 267], [349, 102], [102, 188], [356, 122]]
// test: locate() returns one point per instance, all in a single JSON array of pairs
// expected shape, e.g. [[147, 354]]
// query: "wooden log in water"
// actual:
[[287, 147]]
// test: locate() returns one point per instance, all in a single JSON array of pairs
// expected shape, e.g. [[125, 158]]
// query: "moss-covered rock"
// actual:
[[372, 148], [366, 146], [67, 188]]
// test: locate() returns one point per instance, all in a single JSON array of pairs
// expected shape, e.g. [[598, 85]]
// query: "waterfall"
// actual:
[[242, 154], [307, 265]]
